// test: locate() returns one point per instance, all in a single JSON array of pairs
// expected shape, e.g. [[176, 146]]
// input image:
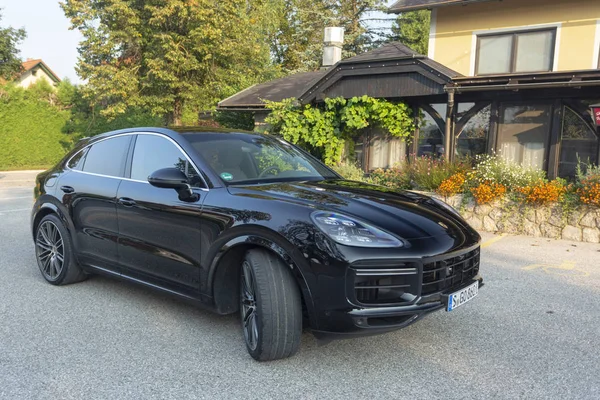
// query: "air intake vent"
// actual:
[[385, 286], [441, 275]]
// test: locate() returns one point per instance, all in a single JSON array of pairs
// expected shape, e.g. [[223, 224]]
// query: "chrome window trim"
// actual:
[[136, 180]]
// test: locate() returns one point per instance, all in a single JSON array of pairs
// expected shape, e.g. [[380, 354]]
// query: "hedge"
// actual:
[[40, 124], [31, 134]]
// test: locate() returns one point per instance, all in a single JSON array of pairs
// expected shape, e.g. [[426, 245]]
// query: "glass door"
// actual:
[[524, 133]]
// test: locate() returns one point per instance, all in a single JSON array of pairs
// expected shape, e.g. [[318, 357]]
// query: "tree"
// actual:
[[164, 55], [358, 38], [10, 63], [298, 44], [412, 29]]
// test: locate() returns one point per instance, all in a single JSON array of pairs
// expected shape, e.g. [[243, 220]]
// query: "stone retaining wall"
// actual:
[[581, 224]]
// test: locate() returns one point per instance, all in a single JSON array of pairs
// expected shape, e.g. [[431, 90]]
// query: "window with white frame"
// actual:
[[525, 51]]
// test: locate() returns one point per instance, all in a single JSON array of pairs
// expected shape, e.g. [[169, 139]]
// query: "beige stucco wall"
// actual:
[[28, 78], [454, 30]]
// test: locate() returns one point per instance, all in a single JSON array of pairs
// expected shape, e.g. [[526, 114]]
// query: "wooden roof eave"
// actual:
[[341, 70], [562, 79], [428, 6]]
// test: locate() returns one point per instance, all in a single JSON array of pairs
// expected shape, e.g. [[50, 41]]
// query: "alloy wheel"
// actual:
[[50, 250], [248, 302]]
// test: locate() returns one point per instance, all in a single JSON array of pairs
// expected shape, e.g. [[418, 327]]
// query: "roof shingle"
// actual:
[[276, 90], [397, 51]]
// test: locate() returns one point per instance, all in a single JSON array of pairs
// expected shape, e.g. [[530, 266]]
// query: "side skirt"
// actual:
[[204, 301]]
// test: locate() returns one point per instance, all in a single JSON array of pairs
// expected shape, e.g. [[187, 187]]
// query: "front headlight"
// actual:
[[446, 206], [352, 232]]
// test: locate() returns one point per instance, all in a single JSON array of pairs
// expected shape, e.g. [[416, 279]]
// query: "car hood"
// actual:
[[407, 214]]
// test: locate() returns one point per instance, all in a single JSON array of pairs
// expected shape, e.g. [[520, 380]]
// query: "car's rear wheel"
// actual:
[[270, 305], [54, 252]]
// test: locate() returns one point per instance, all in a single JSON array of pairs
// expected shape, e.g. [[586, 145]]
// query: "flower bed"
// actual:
[[497, 196]]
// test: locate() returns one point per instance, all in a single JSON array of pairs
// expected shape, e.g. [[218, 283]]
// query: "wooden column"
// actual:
[[554, 142], [414, 148], [449, 135], [494, 128]]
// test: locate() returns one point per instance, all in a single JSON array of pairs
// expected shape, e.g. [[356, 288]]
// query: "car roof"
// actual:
[[175, 131]]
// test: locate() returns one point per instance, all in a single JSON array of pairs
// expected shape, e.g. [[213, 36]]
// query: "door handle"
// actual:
[[67, 189], [127, 202]]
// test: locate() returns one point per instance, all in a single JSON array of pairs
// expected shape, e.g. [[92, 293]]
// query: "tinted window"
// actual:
[[255, 158], [76, 162], [107, 157], [579, 144], [153, 153], [473, 139], [431, 138]]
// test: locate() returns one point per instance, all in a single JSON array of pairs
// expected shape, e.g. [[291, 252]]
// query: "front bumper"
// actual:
[[380, 295], [374, 320]]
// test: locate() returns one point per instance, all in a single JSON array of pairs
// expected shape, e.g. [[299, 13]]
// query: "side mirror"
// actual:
[[173, 178]]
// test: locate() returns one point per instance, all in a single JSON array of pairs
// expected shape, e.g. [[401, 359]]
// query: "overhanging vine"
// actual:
[[327, 126]]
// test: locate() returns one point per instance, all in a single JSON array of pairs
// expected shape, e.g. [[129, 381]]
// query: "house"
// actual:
[[513, 76], [392, 71], [34, 70]]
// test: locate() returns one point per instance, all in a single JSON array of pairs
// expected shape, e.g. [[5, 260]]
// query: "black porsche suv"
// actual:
[[248, 223]]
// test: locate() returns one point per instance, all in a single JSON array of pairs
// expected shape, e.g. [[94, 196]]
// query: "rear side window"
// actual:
[[107, 157], [153, 153], [76, 162]]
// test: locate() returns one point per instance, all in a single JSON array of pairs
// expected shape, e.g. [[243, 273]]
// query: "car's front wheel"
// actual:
[[54, 252], [270, 305]]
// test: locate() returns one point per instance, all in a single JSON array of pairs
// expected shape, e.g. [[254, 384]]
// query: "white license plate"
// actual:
[[459, 298]]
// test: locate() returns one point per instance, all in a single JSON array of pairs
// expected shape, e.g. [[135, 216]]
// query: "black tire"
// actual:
[[275, 303], [54, 252]]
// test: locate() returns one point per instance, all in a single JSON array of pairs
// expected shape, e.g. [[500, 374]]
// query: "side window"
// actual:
[[107, 157], [153, 153], [78, 159]]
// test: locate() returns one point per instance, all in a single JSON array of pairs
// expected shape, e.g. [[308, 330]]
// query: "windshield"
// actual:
[[245, 158]]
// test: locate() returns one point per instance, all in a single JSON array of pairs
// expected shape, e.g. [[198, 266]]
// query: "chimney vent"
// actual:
[[333, 41]]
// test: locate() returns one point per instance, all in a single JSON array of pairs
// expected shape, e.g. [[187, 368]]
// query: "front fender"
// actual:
[[253, 237]]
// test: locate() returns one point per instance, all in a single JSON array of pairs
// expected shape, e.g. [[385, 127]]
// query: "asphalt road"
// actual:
[[532, 333]]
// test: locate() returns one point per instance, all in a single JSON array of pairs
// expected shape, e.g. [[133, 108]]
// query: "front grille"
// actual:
[[385, 286], [441, 275], [377, 282]]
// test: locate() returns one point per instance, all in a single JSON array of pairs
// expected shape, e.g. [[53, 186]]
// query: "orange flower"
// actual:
[[452, 185], [488, 192], [589, 192], [543, 192]]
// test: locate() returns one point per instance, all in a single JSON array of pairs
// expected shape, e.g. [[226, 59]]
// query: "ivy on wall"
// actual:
[[326, 127]]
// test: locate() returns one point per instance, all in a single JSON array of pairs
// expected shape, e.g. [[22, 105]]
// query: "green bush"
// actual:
[[395, 178], [350, 171], [91, 123], [423, 173], [427, 173], [31, 128], [243, 120]]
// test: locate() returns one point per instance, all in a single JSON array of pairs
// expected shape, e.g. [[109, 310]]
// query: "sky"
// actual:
[[48, 34]]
